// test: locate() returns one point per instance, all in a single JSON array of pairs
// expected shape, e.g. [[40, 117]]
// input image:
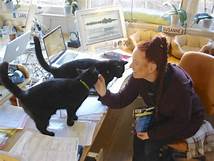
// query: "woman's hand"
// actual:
[[100, 86], [143, 135]]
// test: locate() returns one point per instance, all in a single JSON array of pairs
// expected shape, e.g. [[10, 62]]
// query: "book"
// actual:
[[143, 118]]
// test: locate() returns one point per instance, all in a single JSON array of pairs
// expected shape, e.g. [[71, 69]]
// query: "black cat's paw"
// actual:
[[70, 122], [75, 117], [49, 133]]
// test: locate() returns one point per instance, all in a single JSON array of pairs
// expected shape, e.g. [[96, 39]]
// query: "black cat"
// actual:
[[42, 100], [108, 68]]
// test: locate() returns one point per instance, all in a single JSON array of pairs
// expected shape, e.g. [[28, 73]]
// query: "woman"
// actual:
[[178, 113]]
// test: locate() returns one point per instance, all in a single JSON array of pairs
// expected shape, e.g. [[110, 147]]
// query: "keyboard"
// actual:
[[67, 57]]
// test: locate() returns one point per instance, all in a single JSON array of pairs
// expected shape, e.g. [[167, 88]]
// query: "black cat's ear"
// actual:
[[124, 62], [78, 70], [93, 69]]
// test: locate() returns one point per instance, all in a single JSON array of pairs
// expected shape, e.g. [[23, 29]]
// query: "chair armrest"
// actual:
[[176, 49], [181, 40], [180, 146]]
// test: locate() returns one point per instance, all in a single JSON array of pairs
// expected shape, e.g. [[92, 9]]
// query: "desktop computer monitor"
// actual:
[[100, 27]]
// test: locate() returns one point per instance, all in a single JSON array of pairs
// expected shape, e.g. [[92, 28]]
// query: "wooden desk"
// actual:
[[66, 131], [86, 149]]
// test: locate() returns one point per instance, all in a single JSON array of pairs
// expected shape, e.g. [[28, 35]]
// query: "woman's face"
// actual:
[[142, 68]]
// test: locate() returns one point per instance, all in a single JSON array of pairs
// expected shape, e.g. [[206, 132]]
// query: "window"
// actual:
[[206, 6], [138, 5], [148, 11], [45, 2]]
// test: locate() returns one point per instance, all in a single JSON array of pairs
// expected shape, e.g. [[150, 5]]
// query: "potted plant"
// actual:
[[71, 6], [177, 14]]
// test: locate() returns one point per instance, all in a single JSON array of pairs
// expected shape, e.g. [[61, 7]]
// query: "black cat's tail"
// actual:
[[13, 88], [40, 56]]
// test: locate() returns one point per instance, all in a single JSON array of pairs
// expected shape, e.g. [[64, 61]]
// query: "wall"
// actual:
[[51, 21], [54, 16]]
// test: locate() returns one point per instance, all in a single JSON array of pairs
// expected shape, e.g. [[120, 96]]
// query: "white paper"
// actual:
[[90, 109], [84, 130], [12, 117], [12, 156], [38, 147], [4, 92], [91, 117], [3, 139], [91, 106]]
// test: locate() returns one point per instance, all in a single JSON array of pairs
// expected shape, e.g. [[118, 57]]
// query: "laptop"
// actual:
[[15, 48], [56, 49]]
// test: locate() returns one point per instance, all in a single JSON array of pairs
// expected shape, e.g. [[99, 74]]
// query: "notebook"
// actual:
[[56, 49], [15, 48]]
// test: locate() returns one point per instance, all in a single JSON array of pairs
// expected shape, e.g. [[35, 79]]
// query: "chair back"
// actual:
[[200, 67]]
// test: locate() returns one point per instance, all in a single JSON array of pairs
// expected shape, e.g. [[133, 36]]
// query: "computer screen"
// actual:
[[100, 25], [54, 42]]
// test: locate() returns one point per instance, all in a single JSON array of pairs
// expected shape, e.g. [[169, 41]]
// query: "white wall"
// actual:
[[51, 21]]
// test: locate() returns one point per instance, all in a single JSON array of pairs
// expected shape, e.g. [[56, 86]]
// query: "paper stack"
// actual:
[[7, 156], [38, 147], [90, 110], [11, 119], [3, 139]]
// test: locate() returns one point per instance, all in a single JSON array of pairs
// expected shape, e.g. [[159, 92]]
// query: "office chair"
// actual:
[[200, 67], [184, 43]]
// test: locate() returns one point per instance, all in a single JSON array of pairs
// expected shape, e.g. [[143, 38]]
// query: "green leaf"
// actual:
[[182, 16]]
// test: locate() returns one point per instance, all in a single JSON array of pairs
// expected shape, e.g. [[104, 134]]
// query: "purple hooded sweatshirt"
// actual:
[[179, 114]]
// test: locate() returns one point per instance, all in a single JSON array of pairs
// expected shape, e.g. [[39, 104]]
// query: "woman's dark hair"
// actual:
[[156, 51]]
